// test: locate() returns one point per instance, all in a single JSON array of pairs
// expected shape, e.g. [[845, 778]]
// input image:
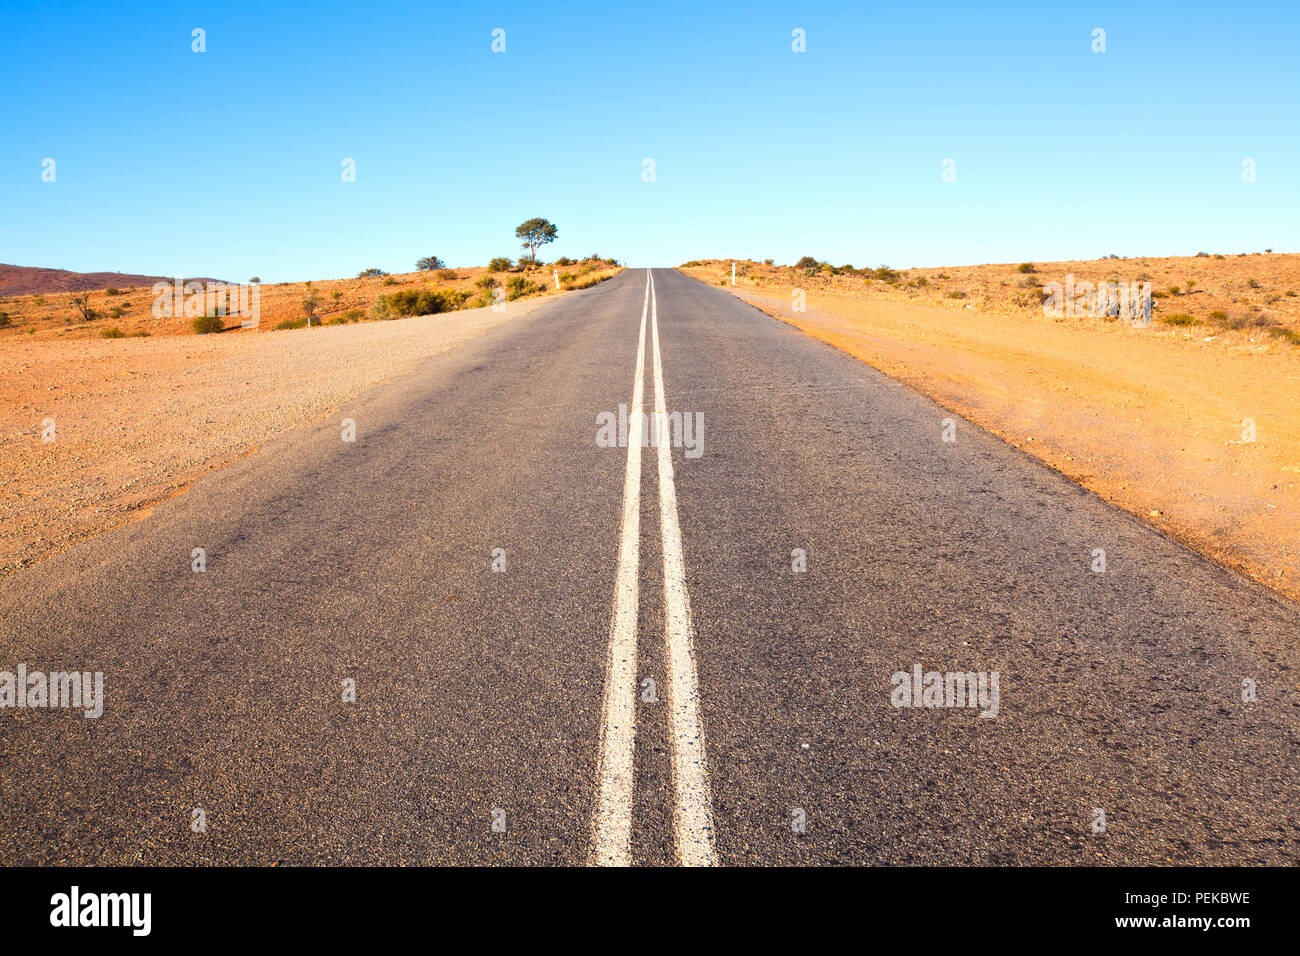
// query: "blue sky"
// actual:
[[228, 163]]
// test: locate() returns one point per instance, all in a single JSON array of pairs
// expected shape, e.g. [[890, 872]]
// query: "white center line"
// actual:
[[613, 822], [693, 815]]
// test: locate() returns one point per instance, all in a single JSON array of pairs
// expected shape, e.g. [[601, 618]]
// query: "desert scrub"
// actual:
[[956, 294], [419, 302], [518, 287], [207, 325], [291, 324], [112, 332], [1180, 318]]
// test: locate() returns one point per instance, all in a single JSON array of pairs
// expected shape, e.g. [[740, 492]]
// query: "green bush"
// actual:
[[500, 264], [112, 332], [1026, 267], [419, 302], [207, 324], [367, 273], [447, 275], [518, 287], [1180, 318], [292, 324], [486, 282], [807, 262]]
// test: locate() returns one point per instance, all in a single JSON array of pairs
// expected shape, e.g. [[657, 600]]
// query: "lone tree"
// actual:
[[429, 263], [536, 233]]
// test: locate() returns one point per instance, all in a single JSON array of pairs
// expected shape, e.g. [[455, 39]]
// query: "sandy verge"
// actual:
[[1153, 420], [137, 420]]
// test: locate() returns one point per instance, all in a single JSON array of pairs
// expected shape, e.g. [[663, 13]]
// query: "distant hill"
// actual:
[[32, 280]]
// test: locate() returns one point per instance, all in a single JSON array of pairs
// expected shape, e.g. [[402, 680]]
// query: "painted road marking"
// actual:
[[693, 815], [613, 822]]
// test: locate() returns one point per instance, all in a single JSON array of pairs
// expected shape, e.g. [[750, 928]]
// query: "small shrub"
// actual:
[[390, 281], [112, 291], [38, 300], [292, 324], [112, 332], [207, 325], [140, 334], [372, 271], [1026, 267], [807, 262], [419, 302], [518, 287], [115, 312], [4, 319], [956, 294], [1180, 318], [1252, 283], [447, 275], [486, 282], [1218, 315], [500, 264], [1290, 335]]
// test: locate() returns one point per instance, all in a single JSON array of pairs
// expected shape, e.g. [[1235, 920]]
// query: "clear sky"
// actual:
[[228, 163]]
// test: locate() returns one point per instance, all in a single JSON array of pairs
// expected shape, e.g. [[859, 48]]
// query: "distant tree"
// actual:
[[256, 280], [429, 263], [536, 233], [309, 305], [81, 299], [500, 264], [365, 273], [807, 262]]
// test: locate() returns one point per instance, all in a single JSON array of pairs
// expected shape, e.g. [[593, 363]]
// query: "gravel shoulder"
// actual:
[[135, 421]]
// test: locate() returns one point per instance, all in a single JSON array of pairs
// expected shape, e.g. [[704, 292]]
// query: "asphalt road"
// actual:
[[643, 683]]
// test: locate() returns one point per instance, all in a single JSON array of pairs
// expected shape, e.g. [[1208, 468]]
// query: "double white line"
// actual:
[[692, 814]]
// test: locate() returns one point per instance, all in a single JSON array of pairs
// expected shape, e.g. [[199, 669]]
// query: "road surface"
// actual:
[[686, 653]]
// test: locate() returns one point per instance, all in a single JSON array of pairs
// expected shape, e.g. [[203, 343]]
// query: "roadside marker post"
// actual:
[[733, 273], [557, 278]]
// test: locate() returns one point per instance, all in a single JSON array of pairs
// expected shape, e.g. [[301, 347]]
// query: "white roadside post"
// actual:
[[733, 273], [557, 278]]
